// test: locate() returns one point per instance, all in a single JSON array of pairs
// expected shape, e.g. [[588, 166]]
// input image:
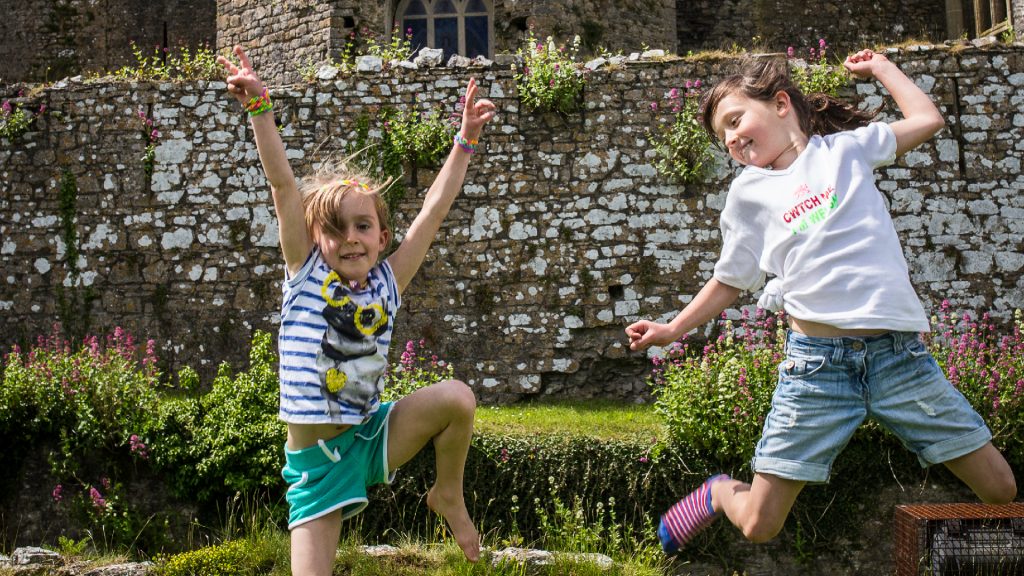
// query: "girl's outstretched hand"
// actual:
[[644, 334], [243, 83], [475, 113], [863, 63]]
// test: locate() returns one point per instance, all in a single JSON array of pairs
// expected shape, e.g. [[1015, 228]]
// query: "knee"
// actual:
[[759, 530], [460, 396], [1002, 491]]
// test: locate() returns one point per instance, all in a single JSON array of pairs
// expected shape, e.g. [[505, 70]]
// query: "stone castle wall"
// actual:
[[43, 40], [563, 234], [49, 40], [777, 24]]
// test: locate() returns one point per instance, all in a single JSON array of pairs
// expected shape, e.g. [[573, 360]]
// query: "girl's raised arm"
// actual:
[[921, 119], [407, 258], [246, 87]]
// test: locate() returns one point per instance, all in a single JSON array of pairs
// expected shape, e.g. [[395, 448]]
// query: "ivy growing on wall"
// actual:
[[73, 302]]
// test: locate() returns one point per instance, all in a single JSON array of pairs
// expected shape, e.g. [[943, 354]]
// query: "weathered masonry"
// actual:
[[563, 234]]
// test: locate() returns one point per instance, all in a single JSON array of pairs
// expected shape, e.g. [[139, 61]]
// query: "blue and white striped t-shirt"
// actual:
[[333, 344]]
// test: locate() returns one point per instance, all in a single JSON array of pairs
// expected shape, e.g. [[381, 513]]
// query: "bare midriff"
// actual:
[[819, 330], [305, 435]]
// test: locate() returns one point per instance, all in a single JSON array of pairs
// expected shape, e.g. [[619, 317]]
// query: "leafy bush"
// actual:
[[408, 139], [92, 402], [988, 368], [183, 63], [682, 147], [418, 138], [15, 120], [550, 78], [715, 400], [229, 440], [358, 43], [397, 48]]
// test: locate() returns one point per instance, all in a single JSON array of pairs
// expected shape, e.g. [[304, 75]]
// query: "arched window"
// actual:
[[456, 26]]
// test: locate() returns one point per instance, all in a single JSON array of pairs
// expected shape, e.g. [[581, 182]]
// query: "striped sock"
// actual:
[[688, 517]]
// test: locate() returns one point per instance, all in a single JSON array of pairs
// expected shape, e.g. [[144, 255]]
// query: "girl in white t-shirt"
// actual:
[[806, 210]]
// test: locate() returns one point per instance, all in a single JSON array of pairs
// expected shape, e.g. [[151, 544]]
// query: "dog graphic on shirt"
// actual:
[[348, 363]]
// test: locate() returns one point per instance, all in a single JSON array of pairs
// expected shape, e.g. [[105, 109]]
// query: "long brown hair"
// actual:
[[763, 78]]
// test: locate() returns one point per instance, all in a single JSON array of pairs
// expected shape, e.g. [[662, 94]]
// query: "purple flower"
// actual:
[[42, 108], [790, 52], [821, 43], [58, 493], [654, 106], [7, 106], [689, 84], [674, 93], [696, 83], [154, 135]]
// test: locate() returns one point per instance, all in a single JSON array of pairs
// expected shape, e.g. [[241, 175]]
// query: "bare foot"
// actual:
[[454, 512]]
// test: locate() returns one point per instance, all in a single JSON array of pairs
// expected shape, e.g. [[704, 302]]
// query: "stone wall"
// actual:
[[283, 36], [292, 33], [778, 24], [46, 40], [563, 234]]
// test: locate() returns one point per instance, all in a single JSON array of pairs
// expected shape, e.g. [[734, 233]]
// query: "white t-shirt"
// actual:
[[333, 343], [821, 227]]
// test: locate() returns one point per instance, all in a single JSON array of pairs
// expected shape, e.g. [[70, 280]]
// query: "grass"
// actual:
[[601, 419], [266, 554]]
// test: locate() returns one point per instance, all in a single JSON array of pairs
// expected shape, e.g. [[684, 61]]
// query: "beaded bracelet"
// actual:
[[259, 104], [467, 145]]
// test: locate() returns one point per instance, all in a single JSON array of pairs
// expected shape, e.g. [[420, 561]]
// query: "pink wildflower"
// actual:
[[97, 499]]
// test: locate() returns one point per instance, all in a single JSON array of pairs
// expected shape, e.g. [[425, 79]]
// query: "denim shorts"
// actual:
[[334, 474], [827, 386]]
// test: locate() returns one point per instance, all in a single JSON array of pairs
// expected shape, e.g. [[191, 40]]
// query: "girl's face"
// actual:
[[355, 251], [758, 132]]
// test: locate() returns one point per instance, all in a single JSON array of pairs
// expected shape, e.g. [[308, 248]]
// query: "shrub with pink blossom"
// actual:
[[986, 365], [417, 368], [682, 148], [816, 73], [548, 77], [714, 398], [87, 403]]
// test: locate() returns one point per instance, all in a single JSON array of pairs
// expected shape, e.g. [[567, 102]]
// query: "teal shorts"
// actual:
[[334, 474]]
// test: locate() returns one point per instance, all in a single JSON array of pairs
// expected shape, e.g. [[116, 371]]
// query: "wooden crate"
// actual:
[[959, 539]]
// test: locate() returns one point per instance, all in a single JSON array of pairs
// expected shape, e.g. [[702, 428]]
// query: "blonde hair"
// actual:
[[322, 195]]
